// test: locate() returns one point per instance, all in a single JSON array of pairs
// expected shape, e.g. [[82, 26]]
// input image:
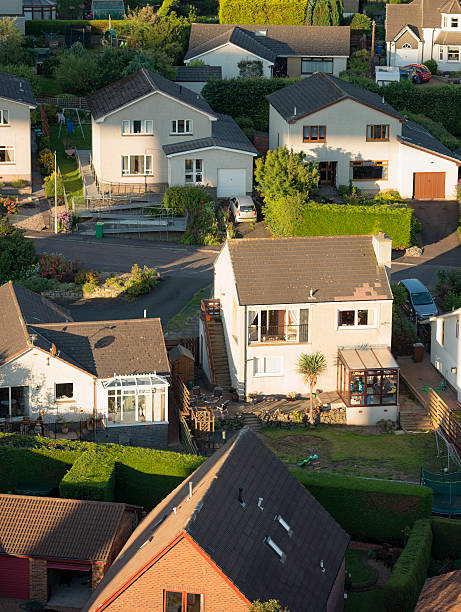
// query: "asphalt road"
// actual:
[[186, 270]]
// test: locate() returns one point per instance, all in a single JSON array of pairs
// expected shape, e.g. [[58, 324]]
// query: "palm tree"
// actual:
[[311, 366]]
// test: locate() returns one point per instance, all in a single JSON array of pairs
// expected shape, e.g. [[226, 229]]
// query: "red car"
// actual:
[[423, 74]]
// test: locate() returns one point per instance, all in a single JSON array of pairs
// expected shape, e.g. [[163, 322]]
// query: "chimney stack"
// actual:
[[382, 246], [53, 349]]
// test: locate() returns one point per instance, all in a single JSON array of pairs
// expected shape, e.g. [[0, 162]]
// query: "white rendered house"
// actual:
[[355, 136], [446, 347], [282, 297]]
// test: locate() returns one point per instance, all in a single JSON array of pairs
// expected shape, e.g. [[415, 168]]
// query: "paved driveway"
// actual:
[[439, 238], [186, 270]]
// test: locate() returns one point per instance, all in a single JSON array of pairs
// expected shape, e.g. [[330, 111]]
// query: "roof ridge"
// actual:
[[328, 77], [19, 313], [147, 74], [48, 325]]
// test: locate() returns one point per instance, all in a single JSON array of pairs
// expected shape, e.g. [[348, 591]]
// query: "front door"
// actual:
[[327, 172], [280, 67]]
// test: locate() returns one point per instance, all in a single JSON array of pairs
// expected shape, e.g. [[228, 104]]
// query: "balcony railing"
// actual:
[[278, 333]]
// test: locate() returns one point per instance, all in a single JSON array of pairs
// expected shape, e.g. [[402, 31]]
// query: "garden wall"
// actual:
[[372, 510]]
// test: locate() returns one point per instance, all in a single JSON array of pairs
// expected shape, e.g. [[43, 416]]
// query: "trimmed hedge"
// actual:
[[274, 12], [369, 509], [402, 590], [91, 477], [446, 543], [98, 26], [338, 219]]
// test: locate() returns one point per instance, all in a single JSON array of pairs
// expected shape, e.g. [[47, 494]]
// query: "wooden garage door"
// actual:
[[428, 185], [14, 577]]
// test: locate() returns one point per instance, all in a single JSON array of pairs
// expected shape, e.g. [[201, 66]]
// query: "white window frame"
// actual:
[[8, 148], [458, 59], [10, 387], [150, 393], [188, 127], [455, 27], [64, 399], [3, 112], [441, 54], [263, 374], [356, 318], [444, 21], [147, 127], [196, 173], [129, 156]]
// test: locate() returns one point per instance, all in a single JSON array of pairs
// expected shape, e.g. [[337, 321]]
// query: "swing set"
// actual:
[[69, 120]]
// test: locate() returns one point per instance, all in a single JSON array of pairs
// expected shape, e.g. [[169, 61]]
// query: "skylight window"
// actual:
[[284, 524], [278, 551], [261, 33]]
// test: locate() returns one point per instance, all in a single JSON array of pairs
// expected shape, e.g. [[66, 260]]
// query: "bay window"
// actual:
[[13, 401], [193, 169], [136, 164], [6, 154], [355, 317], [284, 325], [181, 126], [137, 126]]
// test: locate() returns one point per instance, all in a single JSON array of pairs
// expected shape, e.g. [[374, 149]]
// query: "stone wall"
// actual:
[[38, 580], [149, 435]]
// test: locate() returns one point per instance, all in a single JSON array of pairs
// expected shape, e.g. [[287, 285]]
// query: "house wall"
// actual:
[[204, 353], [161, 110], [228, 56], [414, 160], [181, 568], [31, 369], [294, 66], [335, 602], [213, 159], [17, 134], [447, 355]]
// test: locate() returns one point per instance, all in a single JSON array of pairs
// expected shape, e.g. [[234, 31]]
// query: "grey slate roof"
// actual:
[[17, 89], [224, 133], [279, 41], [137, 85], [419, 14], [233, 537], [285, 270], [314, 93], [414, 133], [351, 6], [105, 348], [198, 74]]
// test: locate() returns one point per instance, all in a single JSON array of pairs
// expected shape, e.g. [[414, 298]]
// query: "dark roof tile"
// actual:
[[416, 134], [17, 89], [198, 74]]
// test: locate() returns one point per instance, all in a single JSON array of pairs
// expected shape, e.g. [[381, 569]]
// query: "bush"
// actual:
[[8, 206], [37, 283], [50, 185], [98, 26], [175, 199], [403, 335], [202, 227], [360, 21], [446, 538], [46, 161], [87, 276], [358, 78], [275, 12], [402, 590], [432, 65], [369, 510], [142, 280], [53, 265], [360, 61], [17, 254], [400, 294]]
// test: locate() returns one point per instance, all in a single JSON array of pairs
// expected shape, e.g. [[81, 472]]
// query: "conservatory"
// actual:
[[103, 9], [39, 9]]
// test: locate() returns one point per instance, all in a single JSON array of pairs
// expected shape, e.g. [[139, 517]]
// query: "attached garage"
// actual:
[[14, 577], [429, 185], [231, 182]]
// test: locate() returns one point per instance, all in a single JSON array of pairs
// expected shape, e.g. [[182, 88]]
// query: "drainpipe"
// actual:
[[245, 351], [95, 412]]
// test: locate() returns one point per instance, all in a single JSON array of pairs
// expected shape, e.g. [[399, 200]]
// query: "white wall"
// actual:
[[228, 56], [40, 372], [414, 160], [16, 133], [447, 356]]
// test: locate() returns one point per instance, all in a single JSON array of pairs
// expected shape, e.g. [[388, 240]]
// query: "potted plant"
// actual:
[[291, 396], [235, 395]]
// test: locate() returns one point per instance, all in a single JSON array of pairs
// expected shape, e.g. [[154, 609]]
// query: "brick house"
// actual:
[[240, 528], [45, 542]]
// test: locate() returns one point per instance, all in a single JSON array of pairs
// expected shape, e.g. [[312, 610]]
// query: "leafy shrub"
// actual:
[[390, 197], [436, 129], [175, 198], [87, 276], [98, 26], [360, 60], [432, 65], [247, 126], [53, 265], [92, 476], [202, 226], [8, 206], [403, 335], [65, 222], [44, 143], [37, 283], [19, 184], [46, 160], [402, 590], [275, 12], [357, 77], [400, 294], [368, 509], [360, 21], [449, 288], [141, 280], [446, 540], [89, 287], [50, 185], [17, 253]]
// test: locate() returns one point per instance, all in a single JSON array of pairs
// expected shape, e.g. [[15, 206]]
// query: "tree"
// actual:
[[152, 59], [272, 605], [360, 21], [322, 14], [17, 254], [311, 367], [11, 51], [284, 214], [76, 73]]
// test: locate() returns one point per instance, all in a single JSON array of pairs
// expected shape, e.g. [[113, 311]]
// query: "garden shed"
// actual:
[[103, 9], [182, 362]]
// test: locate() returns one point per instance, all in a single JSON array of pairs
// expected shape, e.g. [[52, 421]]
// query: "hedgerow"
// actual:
[[275, 12], [446, 542], [98, 26]]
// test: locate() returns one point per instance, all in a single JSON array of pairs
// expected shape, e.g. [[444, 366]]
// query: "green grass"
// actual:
[[69, 167], [48, 85], [383, 455], [368, 601], [360, 573], [190, 311]]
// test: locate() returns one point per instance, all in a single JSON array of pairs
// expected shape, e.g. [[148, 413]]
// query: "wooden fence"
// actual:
[[181, 394], [442, 417], [192, 344]]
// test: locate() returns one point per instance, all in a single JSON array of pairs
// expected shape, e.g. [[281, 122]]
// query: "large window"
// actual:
[[377, 132], [181, 126], [13, 401], [137, 126], [291, 325], [314, 133], [179, 601], [453, 54], [64, 392], [136, 164], [268, 366], [135, 405], [316, 64], [367, 387], [355, 317], [368, 170], [4, 115], [6, 154], [193, 170]]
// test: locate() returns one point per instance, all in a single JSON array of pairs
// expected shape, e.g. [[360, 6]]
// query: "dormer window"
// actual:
[[451, 22]]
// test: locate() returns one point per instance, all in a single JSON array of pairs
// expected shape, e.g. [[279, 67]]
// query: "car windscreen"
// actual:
[[422, 298], [248, 208]]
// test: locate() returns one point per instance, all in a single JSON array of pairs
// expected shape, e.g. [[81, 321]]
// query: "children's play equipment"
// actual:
[[312, 459], [69, 117]]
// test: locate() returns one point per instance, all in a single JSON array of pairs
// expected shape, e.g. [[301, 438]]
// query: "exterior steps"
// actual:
[[219, 354], [252, 421], [415, 420]]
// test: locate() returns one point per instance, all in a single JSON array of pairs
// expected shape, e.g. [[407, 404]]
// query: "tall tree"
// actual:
[[311, 367], [322, 13]]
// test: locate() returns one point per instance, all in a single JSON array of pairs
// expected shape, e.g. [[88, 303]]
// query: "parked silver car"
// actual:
[[243, 208], [420, 302]]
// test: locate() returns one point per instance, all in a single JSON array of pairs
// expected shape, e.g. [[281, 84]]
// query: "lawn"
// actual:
[[360, 573], [365, 602], [48, 86], [189, 315], [346, 450], [69, 167]]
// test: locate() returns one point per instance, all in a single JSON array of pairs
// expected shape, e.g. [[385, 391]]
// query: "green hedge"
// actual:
[[402, 590], [337, 219], [98, 26], [91, 477], [369, 509], [275, 12], [446, 543]]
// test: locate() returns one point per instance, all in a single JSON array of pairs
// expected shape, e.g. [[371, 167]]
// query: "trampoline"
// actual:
[[446, 489]]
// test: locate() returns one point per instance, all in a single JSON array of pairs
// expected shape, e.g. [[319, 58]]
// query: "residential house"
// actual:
[[441, 593], [283, 297], [282, 50], [446, 347], [355, 136], [148, 131], [12, 9], [240, 528], [350, 7], [39, 9], [49, 544], [424, 30], [16, 102], [51, 366], [196, 77]]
